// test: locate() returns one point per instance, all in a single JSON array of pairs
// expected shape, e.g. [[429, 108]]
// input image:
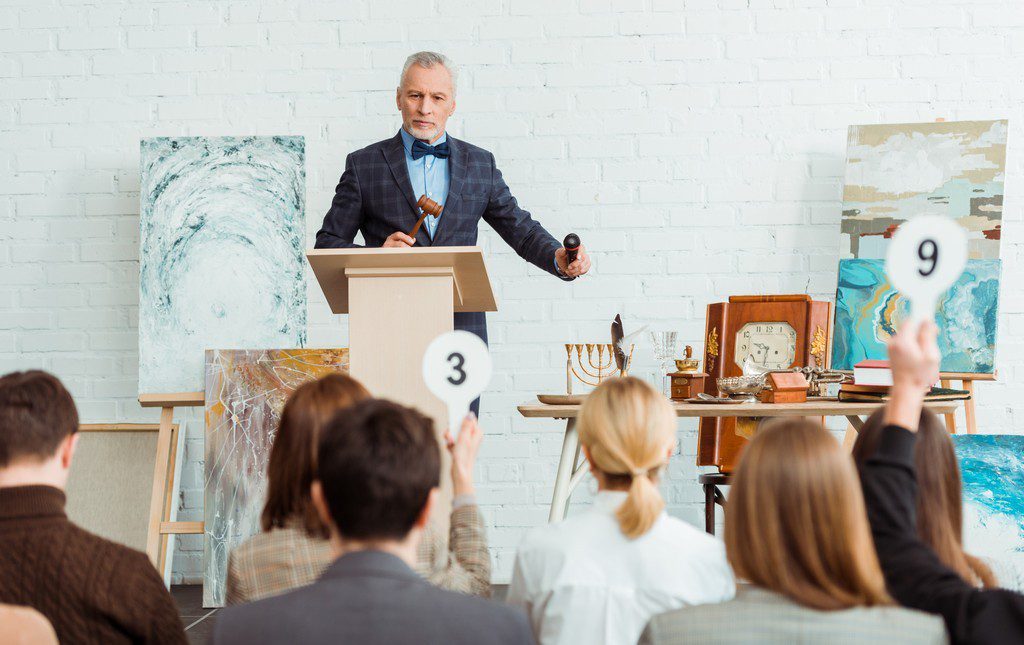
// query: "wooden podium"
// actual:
[[398, 300]]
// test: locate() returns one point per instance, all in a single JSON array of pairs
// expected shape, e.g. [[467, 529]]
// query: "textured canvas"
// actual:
[[869, 310], [221, 252], [992, 467], [898, 171], [245, 393]]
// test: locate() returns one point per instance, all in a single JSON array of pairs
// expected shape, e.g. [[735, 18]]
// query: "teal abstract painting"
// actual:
[[869, 311], [221, 252], [992, 467]]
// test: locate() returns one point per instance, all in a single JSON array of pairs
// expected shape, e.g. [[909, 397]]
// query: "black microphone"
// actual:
[[572, 247]]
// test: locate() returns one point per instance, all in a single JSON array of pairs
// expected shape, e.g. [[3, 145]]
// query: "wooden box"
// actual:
[[686, 385], [785, 387]]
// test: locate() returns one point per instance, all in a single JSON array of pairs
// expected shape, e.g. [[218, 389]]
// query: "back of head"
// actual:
[[939, 501], [291, 468], [795, 521], [36, 414], [628, 428], [377, 464]]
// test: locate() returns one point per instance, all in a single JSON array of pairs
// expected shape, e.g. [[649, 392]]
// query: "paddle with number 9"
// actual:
[[457, 368], [926, 257]]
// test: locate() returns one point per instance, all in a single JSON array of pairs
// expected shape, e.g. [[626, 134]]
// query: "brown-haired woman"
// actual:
[[939, 495], [293, 550], [796, 531], [598, 576]]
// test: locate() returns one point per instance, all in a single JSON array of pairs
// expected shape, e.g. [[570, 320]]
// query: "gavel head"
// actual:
[[429, 206]]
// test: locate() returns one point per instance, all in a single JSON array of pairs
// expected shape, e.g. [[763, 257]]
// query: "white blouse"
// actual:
[[582, 581]]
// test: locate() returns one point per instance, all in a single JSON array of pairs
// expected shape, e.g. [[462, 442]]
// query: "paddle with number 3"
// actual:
[[457, 368]]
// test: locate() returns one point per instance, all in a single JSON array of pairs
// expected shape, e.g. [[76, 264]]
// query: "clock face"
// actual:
[[769, 344]]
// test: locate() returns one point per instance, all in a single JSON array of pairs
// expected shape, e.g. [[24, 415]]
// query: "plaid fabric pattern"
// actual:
[[375, 197], [283, 559], [760, 616]]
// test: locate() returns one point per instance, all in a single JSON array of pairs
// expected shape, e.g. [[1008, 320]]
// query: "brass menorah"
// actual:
[[593, 371]]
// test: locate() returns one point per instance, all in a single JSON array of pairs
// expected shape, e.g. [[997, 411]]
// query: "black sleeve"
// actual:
[[913, 573], [517, 227], [345, 215]]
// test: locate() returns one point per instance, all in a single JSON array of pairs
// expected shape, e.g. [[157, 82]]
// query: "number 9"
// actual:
[[931, 255]]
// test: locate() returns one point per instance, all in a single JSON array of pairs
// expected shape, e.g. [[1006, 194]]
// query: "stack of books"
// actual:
[[873, 378]]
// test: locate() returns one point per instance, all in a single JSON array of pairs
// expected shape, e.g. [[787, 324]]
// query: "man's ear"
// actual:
[[398, 98], [316, 493], [428, 508], [67, 450]]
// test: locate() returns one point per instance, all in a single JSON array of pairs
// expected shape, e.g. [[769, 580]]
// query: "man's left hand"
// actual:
[[578, 267]]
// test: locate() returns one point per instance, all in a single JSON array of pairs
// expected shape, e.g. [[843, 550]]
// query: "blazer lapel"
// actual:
[[457, 174], [394, 154]]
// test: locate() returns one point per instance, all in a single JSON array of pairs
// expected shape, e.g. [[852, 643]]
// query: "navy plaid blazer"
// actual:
[[374, 197]]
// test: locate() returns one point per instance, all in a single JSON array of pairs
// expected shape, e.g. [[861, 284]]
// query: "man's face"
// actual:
[[426, 101]]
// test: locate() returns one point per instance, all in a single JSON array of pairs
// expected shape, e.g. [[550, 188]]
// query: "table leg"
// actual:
[[574, 479], [709, 508], [570, 448], [856, 423]]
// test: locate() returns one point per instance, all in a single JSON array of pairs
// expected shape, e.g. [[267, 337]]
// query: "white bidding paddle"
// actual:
[[926, 257], [457, 368]]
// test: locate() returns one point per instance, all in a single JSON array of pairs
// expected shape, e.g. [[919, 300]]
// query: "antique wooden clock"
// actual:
[[777, 332]]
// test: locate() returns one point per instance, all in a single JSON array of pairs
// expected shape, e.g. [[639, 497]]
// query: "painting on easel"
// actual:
[[895, 172], [245, 393]]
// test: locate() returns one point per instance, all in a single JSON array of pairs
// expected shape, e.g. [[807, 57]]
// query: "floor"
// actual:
[[199, 622]]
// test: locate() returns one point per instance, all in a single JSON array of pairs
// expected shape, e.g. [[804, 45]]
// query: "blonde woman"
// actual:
[[598, 576], [796, 531]]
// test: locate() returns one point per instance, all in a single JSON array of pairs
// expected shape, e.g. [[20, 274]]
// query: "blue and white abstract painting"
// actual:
[[992, 467], [221, 252], [869, 310]]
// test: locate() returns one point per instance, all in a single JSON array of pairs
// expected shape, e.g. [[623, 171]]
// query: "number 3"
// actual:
[[458, 361], [931, 256]]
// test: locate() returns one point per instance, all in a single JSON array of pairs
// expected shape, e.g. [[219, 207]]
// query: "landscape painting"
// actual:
[[869, 311], [895, 172], [221, 252], [245, 393], [992, 467]]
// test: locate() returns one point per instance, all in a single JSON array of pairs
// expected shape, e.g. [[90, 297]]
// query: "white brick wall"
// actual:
[[697, 146]]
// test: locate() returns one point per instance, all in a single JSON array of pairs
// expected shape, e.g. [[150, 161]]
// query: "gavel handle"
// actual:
[[419, 223]]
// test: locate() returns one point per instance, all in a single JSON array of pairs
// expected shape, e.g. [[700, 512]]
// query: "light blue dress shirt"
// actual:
[[429, 176]]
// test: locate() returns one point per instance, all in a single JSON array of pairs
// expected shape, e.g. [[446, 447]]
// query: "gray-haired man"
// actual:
[[378, 191]]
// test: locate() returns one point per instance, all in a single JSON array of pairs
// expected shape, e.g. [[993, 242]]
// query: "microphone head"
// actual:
[[571, 241]]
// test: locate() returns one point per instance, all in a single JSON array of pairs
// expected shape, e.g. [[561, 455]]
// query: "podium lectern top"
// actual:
[[334, 267]]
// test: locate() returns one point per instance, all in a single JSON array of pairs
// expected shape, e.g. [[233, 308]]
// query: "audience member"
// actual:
[[597, 577], [25, 626], [91, 590], [293, 549], [939, 501], [378, 471], [795, 530], [914, 573]]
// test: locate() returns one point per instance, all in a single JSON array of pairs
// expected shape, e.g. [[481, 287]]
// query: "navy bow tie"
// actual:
[[420, 149]]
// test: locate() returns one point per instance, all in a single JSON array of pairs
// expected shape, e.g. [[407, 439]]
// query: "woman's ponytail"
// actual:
[[642, 507]]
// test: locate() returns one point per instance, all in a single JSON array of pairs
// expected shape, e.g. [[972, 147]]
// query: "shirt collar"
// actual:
[[609, 501], [25, 502], [408, 140]]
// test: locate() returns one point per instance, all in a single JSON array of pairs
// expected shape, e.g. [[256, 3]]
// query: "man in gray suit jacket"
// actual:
[[378, 469]]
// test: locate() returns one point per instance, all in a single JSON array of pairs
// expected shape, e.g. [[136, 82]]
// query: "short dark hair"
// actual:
[[36, 414], [377, 464]]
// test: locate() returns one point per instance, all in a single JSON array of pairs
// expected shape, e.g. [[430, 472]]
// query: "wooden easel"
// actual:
[[967, 383], [160, 525]]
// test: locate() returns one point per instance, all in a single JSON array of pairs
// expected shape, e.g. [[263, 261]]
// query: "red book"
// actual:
[[872, 372]]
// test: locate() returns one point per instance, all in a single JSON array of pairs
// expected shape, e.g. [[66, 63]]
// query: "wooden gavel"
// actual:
[[429, 207]]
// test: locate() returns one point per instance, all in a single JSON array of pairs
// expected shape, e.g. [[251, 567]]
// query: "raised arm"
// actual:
[[913, 573], [345, 215]]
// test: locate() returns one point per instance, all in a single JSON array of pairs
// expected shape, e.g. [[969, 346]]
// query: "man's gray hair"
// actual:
[[428, 60]]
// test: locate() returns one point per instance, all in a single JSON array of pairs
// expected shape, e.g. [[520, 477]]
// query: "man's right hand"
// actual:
[[399, 240]]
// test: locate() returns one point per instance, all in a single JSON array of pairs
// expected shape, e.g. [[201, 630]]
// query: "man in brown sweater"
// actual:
[[91, 590]]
